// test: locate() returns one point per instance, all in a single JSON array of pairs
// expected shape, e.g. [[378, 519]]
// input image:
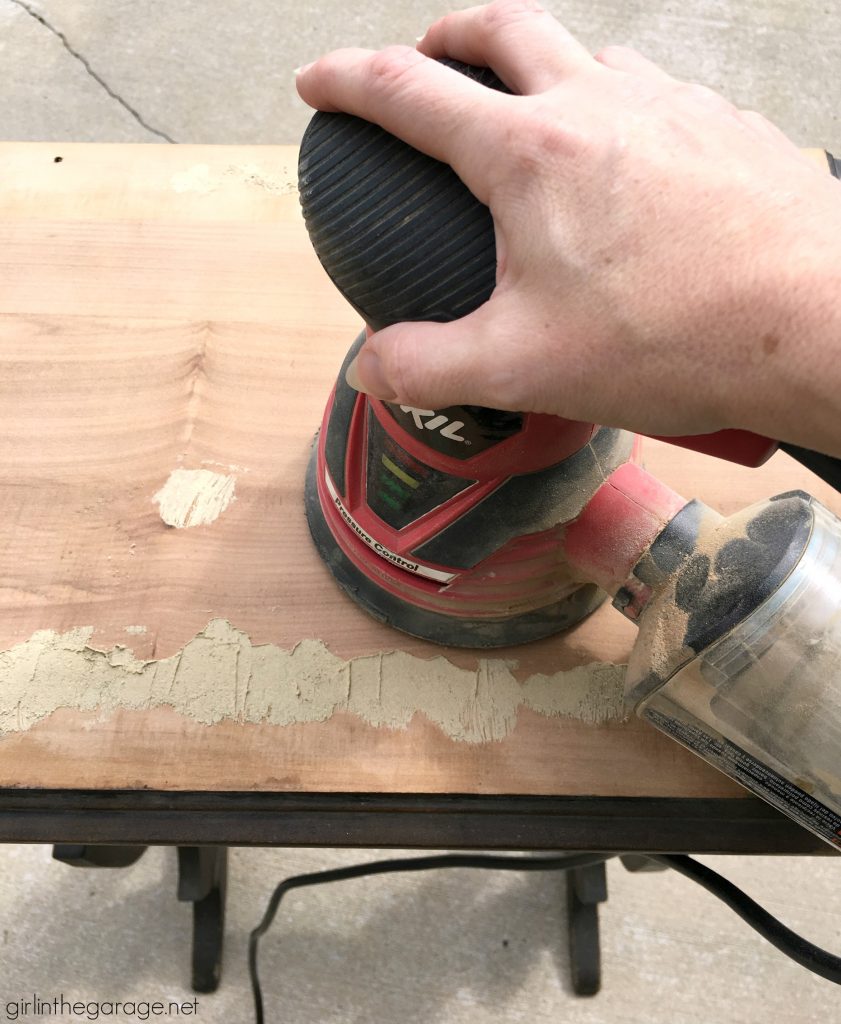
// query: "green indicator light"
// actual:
[[394, 486], [387, 498]]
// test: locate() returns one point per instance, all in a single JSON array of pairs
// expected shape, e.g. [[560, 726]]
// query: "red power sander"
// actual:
[[466, 526], [479, 527]]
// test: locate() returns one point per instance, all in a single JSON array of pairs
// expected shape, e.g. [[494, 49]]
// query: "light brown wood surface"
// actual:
[[160, 308]]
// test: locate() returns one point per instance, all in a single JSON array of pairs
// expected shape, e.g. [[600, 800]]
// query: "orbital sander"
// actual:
[[479, 527]]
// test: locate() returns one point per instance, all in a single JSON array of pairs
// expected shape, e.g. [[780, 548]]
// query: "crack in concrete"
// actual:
[[93, 74]]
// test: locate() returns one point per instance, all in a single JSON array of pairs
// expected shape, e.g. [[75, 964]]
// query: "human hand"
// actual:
[[666, 262]]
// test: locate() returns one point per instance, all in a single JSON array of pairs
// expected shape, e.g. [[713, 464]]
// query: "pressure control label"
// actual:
[[390, 556]]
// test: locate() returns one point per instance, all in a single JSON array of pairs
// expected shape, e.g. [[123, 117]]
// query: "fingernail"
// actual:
[[374, 383], [420, 39], [303, 68]]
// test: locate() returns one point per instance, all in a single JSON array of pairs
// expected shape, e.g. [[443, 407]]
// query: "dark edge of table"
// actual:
[[412, 820]]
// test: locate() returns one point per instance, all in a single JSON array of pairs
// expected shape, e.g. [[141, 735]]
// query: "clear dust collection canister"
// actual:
[[756, 693]]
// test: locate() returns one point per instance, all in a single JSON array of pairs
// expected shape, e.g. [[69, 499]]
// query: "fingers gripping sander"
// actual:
[[479, 527]]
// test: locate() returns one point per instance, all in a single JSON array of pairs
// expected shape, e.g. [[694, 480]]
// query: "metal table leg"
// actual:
[[586, 888], [202, 878]]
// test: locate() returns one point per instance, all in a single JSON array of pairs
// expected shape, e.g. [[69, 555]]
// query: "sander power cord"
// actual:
[[794, 946]]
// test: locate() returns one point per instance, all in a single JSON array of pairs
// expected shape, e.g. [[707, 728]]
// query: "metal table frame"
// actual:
[[112, 828], [419, 820]]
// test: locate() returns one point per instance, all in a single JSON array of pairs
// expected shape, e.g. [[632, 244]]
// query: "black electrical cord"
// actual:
[[379, 867], [827, 467], [812, 957], [805, 953]]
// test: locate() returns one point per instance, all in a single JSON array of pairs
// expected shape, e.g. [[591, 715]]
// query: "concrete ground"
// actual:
[[449, 946]]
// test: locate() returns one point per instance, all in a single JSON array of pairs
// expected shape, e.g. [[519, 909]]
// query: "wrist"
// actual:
[[799, 369]]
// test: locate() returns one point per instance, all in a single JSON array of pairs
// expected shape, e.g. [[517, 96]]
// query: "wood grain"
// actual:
[[160, 308]]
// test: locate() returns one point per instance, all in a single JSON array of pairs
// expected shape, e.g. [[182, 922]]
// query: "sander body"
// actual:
[[483, 528]]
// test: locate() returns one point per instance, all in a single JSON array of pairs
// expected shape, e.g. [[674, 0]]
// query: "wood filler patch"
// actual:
[[202, 180], [194, 497], [220, 675]]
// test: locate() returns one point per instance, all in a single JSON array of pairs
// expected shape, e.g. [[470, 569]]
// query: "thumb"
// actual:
[[432, 365]]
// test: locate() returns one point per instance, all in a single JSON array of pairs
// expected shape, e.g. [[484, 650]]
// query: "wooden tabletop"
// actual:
[[167, 344]]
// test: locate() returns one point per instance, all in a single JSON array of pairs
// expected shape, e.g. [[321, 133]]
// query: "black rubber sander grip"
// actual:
[[398, 232]]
